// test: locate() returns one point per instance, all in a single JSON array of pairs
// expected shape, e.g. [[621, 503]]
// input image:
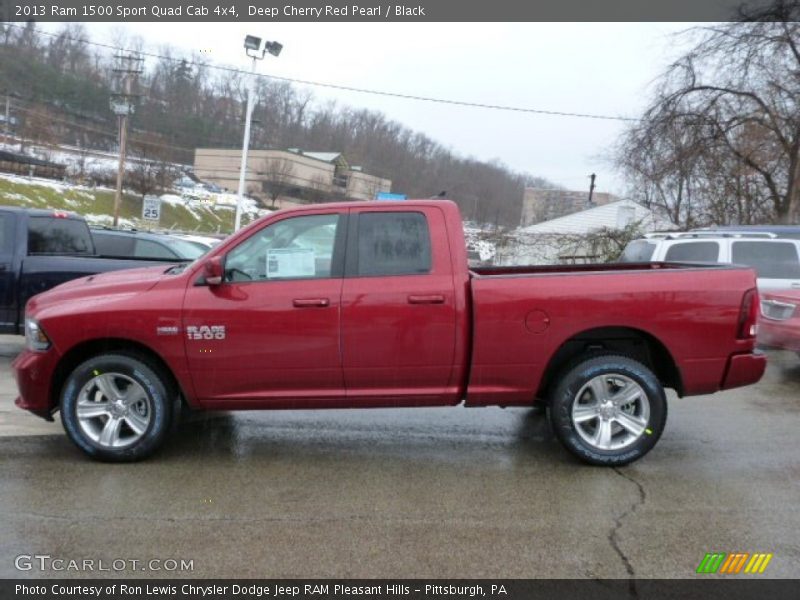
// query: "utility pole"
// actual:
[[129, 67], [592, 177]]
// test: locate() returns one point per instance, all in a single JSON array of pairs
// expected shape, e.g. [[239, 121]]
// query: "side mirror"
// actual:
[[214, 271]]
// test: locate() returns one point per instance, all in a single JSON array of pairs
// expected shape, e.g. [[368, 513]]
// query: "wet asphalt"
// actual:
[[449, 492]]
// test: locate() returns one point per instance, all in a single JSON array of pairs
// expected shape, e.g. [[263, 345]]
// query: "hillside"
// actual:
[[58, 87], [191, 212]]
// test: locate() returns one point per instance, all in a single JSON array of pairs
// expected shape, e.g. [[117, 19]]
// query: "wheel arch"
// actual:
[[627, 341], [89, 348]]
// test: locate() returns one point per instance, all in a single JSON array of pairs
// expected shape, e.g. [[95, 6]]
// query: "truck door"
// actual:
[[269, 334], [8, 308], [398, 307]]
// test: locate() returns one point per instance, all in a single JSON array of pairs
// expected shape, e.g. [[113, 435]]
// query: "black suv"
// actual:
[[143, 244]]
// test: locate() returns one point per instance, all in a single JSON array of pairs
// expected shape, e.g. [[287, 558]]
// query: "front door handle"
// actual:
[[311, 302], [426, 299]]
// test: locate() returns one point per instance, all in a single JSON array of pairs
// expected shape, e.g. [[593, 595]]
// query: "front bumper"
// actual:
[[34, 374], [744, 369]]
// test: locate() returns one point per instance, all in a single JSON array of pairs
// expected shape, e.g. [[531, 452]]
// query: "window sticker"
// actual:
[[290, 262]]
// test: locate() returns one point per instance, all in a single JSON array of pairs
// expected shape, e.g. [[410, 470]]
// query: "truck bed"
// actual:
[[525, 317]]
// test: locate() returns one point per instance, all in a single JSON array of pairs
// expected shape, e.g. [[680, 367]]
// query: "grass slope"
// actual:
[[97, 205]]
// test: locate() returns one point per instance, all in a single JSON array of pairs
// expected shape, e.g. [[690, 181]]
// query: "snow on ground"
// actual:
[[97, 162], [172, 199], [58, 186], [108, 220], [486, 250]]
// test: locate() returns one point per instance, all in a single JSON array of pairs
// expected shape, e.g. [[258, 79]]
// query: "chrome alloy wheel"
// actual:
[[113, 410], [611, 412]]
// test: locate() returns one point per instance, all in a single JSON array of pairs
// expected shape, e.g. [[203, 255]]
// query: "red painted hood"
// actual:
[[99, 287]]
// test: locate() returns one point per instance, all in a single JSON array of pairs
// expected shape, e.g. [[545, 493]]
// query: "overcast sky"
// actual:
[[603, 68]]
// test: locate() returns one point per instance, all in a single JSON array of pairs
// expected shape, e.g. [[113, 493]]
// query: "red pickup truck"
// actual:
[[373, 305]]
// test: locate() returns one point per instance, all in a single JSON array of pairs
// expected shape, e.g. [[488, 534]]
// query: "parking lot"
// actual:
[[413, 493]]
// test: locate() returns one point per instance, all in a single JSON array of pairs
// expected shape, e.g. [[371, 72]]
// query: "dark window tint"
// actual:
[[393, 243], [638, 251], [774, 260], [148, 249], [52, 235], [693, 252], [5, 233], [108, 244]]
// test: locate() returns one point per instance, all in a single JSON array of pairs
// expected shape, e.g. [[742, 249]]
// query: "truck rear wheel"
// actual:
[[608, 410], [116, 407]]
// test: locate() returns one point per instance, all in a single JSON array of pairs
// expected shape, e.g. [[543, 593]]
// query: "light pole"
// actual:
[[254, 49]]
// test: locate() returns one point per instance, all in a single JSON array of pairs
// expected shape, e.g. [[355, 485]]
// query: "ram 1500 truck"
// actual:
[[40, 249], [372, 305]]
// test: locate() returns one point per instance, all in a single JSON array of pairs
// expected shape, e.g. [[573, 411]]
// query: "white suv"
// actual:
[[776, 260]]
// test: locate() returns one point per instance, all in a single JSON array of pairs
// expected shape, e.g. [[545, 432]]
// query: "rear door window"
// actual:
[[393, 243], [54, 235], [771, 260], [108, 244], [6, 232], [149, 249], [693, 252]]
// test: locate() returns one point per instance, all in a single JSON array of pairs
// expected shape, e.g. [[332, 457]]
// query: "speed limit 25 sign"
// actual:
[[151, 209]]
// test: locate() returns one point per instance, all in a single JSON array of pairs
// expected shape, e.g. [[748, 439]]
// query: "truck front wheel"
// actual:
[[116, 407], [608, 410]]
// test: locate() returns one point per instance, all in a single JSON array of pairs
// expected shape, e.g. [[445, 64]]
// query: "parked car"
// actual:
[[205, 243], [373, 305], [776, 260], [40, 249], [783, 231], [779, 326], [144, 244]]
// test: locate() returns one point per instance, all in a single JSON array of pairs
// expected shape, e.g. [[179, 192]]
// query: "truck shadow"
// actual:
[[480, 436]]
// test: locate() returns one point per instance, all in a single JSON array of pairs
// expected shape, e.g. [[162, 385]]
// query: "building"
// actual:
[[542, 205], [576, 238], [22, 164], [289, 177]]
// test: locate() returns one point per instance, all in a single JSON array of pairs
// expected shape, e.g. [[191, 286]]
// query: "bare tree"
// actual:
[[278, 174], [725, 117], [150, 170], [37, 127]]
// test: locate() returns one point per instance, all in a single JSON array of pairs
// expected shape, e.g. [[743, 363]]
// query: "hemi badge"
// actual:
[[171, 330]]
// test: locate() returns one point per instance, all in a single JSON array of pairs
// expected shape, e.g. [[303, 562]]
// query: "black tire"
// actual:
[[152, 414], [614, 374]]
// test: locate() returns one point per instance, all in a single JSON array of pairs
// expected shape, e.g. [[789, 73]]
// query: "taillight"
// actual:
[[748, 315]]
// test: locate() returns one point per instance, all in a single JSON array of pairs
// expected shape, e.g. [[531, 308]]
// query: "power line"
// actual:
[[403, 96]]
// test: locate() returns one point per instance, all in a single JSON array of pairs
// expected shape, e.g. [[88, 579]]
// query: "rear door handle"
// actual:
[[426, 299], [310, 302]]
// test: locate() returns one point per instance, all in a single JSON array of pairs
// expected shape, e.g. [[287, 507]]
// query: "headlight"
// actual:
[[35, 337], [778, 311]]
